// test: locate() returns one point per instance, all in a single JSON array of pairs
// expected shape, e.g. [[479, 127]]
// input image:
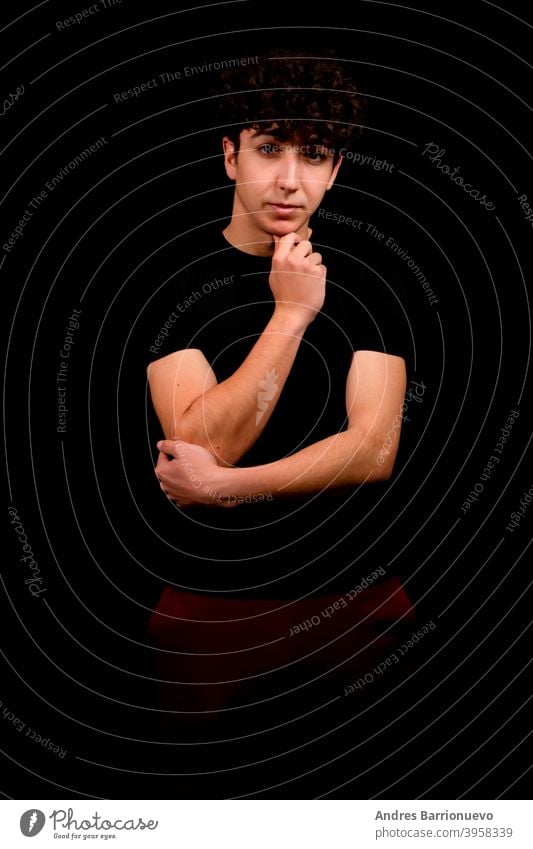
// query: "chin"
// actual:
[[281, 228]]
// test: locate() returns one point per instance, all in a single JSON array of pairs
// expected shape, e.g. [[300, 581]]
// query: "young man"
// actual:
[[280, 400]]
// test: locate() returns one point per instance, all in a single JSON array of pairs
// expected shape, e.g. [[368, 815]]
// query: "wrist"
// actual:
[[217, 486], [290, 319], [238, 483]]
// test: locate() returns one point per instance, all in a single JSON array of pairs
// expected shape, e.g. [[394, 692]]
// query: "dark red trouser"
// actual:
[[211, 652]]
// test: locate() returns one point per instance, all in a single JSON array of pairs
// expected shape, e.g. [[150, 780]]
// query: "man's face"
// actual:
[[278, 184]]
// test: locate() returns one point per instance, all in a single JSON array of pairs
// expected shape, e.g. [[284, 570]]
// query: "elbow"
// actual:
[[382, 472], [373, 459], [196, 426], [383, 458], [222, 453], [383, 465]]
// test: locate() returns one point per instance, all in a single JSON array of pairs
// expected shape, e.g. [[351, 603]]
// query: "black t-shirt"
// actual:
[[216, 298]]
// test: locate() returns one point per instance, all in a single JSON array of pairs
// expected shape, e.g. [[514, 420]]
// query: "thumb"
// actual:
[[169, 446]]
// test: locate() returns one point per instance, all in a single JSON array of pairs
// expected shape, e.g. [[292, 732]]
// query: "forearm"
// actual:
[[345, 459], [229, 417], [362, 454]]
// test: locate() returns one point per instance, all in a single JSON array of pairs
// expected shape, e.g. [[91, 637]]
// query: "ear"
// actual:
[[230, 158], [334, 174]]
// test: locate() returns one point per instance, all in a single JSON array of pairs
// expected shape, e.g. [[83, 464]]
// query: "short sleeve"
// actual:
[[372, 307], [173, 317]]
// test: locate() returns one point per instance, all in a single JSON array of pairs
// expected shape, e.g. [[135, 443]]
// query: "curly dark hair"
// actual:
[[309, 98]]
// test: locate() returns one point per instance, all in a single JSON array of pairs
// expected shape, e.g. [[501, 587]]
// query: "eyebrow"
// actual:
[[267, 136], [292, 142]]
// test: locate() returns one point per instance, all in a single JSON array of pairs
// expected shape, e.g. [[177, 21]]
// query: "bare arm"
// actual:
[[227, 417], [365, 452]]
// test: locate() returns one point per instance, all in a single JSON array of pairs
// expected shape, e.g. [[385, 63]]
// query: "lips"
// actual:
[[284, 207]]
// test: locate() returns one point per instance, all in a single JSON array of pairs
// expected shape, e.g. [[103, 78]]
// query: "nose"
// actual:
[[288, 174]]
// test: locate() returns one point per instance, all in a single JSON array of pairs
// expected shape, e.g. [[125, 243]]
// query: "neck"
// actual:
[[258, 244]]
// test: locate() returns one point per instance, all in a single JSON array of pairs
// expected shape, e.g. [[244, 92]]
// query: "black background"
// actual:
[[74, 664]]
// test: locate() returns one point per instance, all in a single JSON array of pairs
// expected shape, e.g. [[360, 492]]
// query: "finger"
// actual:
[[169, 447], [315, 258], [303, 248], [162, 462], [284, 245], [309, 233]]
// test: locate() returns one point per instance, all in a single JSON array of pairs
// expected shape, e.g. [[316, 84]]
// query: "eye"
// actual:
[[315, 154], [268, 148]]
